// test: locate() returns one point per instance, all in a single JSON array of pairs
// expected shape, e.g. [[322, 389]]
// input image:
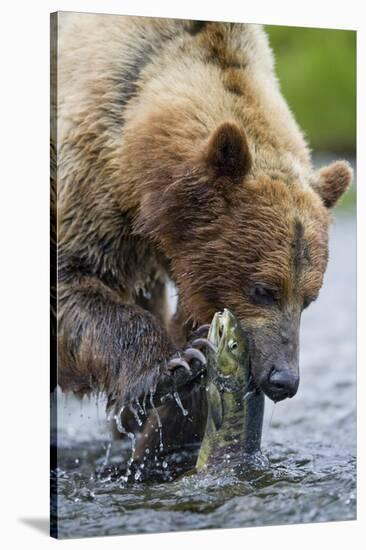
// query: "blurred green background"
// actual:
[[317, 72]]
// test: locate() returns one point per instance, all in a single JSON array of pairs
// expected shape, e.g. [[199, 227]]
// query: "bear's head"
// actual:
[[253, 241]]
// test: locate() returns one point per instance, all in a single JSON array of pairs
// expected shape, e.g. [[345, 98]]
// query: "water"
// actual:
[[310, 442]]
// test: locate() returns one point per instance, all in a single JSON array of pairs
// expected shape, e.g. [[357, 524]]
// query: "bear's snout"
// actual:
[[280, 383], [274, 353]]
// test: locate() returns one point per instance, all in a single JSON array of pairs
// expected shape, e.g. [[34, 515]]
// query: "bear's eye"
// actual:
[[263, 295]]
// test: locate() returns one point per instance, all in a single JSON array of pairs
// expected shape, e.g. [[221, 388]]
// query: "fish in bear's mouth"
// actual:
[[231, 346]]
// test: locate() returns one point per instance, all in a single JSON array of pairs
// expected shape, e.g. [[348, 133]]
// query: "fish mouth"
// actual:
[[219, 327], [216, 330]]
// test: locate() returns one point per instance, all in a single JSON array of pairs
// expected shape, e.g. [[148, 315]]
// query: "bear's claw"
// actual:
[[185, 366], [201, 331], [178, 362], [192, 353], [188, 354], [201, 342], [192, 359]]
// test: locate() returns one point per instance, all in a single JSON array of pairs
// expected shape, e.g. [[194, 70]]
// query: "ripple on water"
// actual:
[[297, 484]]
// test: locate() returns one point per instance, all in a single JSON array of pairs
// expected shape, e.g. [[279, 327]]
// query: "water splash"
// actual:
[[132, 436], [135, 414], [141, 409], [118, 420], [107, 455], [110, 415], [132, 456], [124, 478], [144, 403], [160, 428], [179, 403]]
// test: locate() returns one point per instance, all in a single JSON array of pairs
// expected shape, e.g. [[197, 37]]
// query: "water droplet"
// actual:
[[133, 440], [158, 420], [77, 461], [144, 402], [179, 403], [140, 408], [164, 464], [107, 455], [135, 414], [118, 421]]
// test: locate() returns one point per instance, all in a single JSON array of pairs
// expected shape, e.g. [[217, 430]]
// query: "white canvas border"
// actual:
[[25, 272]]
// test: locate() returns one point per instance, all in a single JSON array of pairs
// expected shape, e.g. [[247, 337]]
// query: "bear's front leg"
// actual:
[[121, 350]]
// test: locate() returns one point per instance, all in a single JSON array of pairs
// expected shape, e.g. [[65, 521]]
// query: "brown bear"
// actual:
[[179, 160]]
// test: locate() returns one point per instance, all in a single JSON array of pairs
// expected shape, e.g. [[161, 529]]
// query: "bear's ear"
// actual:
[[227, 151], [333, 181]]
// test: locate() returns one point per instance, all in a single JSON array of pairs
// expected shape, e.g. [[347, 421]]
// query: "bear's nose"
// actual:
[[282, 383]]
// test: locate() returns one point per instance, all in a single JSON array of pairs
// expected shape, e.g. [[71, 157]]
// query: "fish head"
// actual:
[[230, 364]]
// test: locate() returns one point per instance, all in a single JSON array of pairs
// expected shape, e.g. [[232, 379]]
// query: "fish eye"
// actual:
[[233, 345]]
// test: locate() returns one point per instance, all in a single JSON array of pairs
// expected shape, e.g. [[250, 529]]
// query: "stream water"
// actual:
[[309, 441]]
